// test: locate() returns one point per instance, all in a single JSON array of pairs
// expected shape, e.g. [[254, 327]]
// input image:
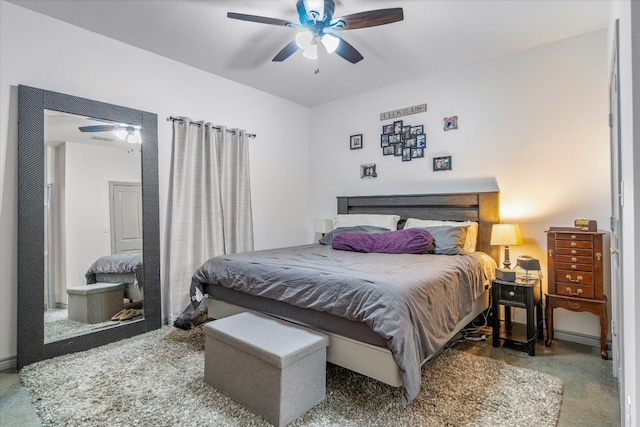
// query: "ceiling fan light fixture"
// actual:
[[330, 42], [122, 134], [311, 52], [131, 138], [303, 39]]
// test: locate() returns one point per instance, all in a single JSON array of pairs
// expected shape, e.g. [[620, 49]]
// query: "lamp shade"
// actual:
[[505, 235], [322, 226]]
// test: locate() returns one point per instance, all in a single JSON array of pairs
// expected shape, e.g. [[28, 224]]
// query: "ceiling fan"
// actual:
[[124, 132], [316, 18]]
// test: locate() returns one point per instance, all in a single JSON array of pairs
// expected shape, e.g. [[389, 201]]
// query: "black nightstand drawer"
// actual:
[[512, 295]]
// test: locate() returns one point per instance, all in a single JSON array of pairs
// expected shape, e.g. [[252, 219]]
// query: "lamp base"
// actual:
[[507, 262]]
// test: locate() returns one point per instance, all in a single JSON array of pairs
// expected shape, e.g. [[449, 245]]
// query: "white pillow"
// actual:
[[472, 232], [389, 222]]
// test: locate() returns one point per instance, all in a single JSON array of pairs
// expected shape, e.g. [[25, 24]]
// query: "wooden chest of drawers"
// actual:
[[575, 264]]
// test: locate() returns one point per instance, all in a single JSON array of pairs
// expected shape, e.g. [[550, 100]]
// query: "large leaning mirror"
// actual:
[[88, 240]]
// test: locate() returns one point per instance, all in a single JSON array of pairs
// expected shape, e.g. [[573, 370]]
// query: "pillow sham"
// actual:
[[413, 241], [327, 239], [472, 233], [390, 222], [447, 240]]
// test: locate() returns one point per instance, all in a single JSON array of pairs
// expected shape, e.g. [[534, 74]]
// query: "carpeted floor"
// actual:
[[58, 326], [157, 379]]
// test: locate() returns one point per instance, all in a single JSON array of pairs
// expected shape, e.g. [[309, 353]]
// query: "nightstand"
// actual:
[[522, 293]]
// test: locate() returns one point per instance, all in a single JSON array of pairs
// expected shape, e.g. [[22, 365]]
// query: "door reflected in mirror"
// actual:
[[93, 225]]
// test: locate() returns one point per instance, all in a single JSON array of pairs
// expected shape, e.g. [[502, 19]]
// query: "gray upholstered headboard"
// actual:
[[483, 208]]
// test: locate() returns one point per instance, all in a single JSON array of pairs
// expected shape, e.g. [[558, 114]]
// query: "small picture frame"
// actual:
[[388, 129], [384, 140], [421, 140], [406, 132], [450, 123], [411, 143], [397, 127], [398, 148], [417, 153], [356, 141], [368, 171], [389, 150], [442, 163], [406, 154], [416, 130], [395, 138]]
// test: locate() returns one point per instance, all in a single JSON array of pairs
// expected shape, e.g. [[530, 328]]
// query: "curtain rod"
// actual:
[[173, 119]]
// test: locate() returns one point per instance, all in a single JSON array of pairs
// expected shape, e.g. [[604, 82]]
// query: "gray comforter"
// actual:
[[117, 263], [412, 301]]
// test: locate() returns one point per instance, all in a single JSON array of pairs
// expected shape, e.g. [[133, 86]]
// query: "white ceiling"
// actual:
[[434, 36]]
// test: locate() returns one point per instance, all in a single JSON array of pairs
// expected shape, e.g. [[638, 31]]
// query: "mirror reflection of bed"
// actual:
[[93, 226]]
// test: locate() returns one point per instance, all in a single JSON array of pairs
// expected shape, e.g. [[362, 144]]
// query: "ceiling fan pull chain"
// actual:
[[317, 70]]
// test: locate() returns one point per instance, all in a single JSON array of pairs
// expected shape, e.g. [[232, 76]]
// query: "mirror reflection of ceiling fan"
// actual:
[[125, 132], [320, 27]]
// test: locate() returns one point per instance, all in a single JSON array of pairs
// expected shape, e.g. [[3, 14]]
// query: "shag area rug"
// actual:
[[58, 326], [157, 379]]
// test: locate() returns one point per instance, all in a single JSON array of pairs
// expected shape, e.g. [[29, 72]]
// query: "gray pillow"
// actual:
[[448, 240], [327, 239]]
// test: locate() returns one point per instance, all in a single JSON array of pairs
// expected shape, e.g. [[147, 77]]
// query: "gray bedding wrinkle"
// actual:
[[412, 301]]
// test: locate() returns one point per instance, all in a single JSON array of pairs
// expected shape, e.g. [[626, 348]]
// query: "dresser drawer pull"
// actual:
[[578, 292], [573, 237], [577, 279], [573, 252], [574, 244], [573, 266], [550, 253], [598, 255], [574, 259], [511, 293]]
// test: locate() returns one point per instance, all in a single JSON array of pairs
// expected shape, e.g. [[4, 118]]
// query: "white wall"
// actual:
[[42, 52], [87, 208], [533, 125]]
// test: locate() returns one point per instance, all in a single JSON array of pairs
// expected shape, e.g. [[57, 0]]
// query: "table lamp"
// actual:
[[505, 235]]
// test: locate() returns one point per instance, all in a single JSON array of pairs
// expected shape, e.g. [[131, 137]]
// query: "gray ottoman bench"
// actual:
[[273, 368], [95, 303]]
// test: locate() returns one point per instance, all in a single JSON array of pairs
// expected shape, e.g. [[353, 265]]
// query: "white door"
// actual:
[[126, 217], [617, 201]]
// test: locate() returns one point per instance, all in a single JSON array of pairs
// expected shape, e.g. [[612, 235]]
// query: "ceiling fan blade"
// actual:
[[262, 19], [98, 128], [348, 52], [286, 52], [370, 18]]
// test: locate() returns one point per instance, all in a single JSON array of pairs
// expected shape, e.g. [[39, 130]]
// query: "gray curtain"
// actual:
[[209, 203]]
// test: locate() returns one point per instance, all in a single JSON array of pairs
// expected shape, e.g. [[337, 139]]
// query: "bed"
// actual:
[[119, 268], [378, 324]]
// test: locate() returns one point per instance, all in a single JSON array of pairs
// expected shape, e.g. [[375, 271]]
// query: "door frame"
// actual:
[[617, 202]]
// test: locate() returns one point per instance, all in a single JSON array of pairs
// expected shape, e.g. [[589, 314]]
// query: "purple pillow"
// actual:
[[409, 241]]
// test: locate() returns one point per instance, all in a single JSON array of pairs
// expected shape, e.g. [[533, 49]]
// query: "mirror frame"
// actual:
[[31, 162]]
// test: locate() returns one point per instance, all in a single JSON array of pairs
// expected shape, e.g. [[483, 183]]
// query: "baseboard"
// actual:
[[8, 364], [578, 338]]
